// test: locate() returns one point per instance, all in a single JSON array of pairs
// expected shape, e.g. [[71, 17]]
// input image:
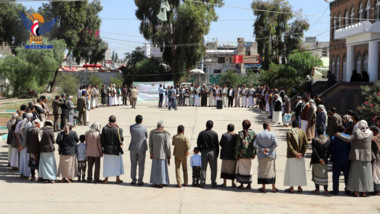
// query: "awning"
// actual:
[[252, 65]]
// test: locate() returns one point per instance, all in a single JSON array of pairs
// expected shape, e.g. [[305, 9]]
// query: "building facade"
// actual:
[[354, 38]]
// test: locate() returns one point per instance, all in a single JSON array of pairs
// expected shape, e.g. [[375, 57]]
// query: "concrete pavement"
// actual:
[[21, 196]]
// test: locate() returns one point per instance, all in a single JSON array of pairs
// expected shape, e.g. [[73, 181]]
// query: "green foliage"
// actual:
[[290, 76], [95, 80], [371, 107], [69, 83], [303, 62], [31, 68], [78, 30], [276, 37], [250, 79], [231, 78], [140, 68], [181, 36], [117, 81], [12, 30]]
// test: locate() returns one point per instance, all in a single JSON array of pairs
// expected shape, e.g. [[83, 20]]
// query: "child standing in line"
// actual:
[[196, 162], [81, 158]]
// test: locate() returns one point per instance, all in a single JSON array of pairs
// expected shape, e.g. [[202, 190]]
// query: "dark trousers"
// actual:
[[91, 162], [196, 174], [125, 100], [172, 103], [317, 187], [160, 101], [204, 100], [337, 169], [63, 120], [209, 157], [81, 169], [82, 117], [230, 101]]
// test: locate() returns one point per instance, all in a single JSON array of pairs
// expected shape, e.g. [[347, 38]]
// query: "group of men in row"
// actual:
[[208, 96], [115, 96]]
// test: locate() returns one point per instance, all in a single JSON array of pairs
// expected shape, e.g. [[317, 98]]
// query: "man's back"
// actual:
[[340, 150], [181, 145], [208, 139], [138, 138]]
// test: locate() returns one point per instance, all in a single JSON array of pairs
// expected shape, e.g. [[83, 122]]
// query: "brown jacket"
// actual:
[[81, 104], [333, 123], [181, 146], [47, 139], [293, 147], [94, 147], [57, 106]]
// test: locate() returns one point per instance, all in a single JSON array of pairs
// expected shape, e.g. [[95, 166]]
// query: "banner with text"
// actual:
[[148, 91]]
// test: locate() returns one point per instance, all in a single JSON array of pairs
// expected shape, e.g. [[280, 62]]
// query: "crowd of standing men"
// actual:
[[348, 142], [207, 96]]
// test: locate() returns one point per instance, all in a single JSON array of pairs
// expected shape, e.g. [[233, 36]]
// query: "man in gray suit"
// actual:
[[266, 144], [137, 149], [71, 107]]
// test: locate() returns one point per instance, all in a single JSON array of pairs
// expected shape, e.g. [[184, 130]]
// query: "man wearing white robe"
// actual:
[[237, 96], [244, 96], [224, 95]]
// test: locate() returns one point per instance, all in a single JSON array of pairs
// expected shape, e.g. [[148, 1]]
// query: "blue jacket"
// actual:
[[340, 150]]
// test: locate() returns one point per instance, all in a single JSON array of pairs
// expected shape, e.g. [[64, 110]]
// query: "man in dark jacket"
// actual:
[[82, 108], [112, 142], [334, 121], [65, 111], [209, 146], [340, 152], [57, 111], [33, 145]]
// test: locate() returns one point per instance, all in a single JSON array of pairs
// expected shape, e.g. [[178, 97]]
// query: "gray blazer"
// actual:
[[71, 107], [360, 148], [139, 135], [264, 140]]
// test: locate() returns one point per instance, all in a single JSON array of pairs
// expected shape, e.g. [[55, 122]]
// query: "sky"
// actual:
[[120, 27]]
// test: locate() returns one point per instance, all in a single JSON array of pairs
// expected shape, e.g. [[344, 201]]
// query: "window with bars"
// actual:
[[324, 52]]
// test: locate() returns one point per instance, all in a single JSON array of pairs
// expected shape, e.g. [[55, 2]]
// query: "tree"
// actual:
[[32, 69], [12, 30], [229, 78], [95, 80], [370, 109], [181, 36], [290, 76], [117, 81], [276, 37], [140, 68], [68, 83], [81, 33]]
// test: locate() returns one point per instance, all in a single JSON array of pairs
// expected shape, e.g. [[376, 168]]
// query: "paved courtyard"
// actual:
[[21, 196]]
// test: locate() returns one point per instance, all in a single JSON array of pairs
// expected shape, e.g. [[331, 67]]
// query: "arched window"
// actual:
[[337, 71], [346, 19], [344, 68], [367, 9], [359, 64], [339, 21], [365, 62], [361, 12], [333, 65], [352, 17]]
